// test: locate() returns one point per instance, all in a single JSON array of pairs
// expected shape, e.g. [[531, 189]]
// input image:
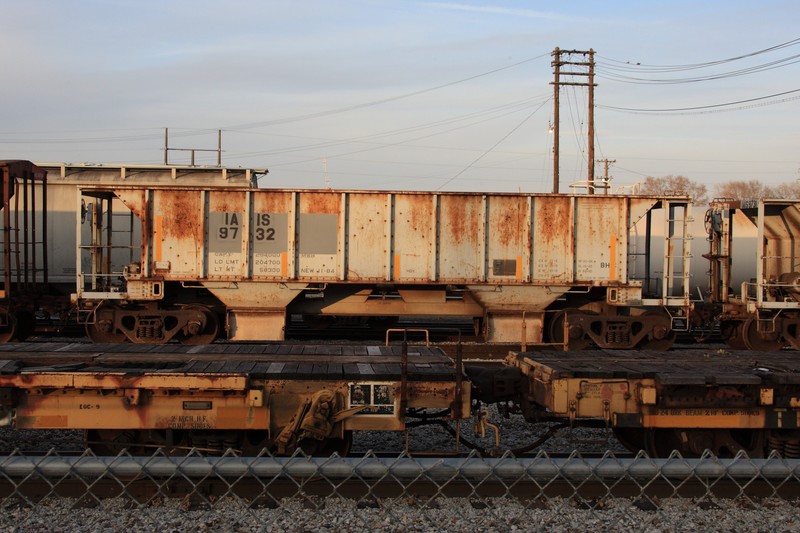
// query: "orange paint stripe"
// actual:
[[284, 264], [397, 266], [157, 237], [519, 267], [612, 261]]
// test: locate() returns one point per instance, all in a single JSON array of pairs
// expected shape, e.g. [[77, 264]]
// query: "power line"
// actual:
[[710, 106], [353, 107], [506, 109], [628, 65], [495, 145], [791, 60]]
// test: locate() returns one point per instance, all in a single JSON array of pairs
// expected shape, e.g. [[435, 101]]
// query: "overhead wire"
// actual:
[[377, 146], [362, 105], [605, 74], [512, 106], [628, 65], [707, 108], [506, 136]]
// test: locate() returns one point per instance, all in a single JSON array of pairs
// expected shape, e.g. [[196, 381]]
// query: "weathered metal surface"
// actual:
[[600, 236], [237, 392], [401, 237], [513, 252], [228, 224], [509, 245], [367, 237], [204, 176], [553, 247], [698, 389], [271, 226], [414, 238], [66, 178]]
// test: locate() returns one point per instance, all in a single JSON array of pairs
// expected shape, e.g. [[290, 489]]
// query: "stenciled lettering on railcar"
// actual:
[[225, 243], [719, 411], [270, 242], [263, 227], [190, 422]]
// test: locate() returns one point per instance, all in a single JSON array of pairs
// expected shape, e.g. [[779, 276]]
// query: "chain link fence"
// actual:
[[164, 493]]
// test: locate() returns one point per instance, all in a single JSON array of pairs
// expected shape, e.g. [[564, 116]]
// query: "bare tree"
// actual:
[[743, 190], [789, 189], [679, 185]]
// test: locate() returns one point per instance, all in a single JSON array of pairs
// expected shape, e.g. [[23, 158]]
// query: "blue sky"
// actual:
[[402, 94]]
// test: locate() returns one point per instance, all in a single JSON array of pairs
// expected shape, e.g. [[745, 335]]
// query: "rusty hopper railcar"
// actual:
[[236, 262], [763, 313]]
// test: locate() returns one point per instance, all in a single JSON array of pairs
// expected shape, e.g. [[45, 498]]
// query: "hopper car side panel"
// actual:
[[504, 259]]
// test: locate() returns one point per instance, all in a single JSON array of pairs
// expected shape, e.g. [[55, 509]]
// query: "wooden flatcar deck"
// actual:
[[688, 367], [259, 361], [689, 388]]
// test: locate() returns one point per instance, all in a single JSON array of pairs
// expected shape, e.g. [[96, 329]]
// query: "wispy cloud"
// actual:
[[495, 10]]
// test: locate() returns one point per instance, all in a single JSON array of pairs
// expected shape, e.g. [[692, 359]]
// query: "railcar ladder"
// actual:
[[675, 289]]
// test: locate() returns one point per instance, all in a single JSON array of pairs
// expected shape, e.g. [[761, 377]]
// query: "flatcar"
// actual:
[[526, 268], [285, 397]]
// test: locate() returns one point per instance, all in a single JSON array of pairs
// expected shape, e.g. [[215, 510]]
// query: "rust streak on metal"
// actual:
[[553, 215], [183, 211], [320, 202], [271, 202], [510, 227], [227, 201]]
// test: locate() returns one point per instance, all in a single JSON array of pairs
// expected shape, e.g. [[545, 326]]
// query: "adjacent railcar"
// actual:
[[763, 312], [39, 239], [25, 287], [527, 268]]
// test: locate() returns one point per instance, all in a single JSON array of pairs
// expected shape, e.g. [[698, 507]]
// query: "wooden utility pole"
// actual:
[[556, 85], [564, 58], [606, 177]]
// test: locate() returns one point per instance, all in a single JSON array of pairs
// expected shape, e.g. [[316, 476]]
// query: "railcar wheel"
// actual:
[[8, 325], [577, 339], [203, 332], [732, 333], [100, 326], [662, 336], [761, 341]]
